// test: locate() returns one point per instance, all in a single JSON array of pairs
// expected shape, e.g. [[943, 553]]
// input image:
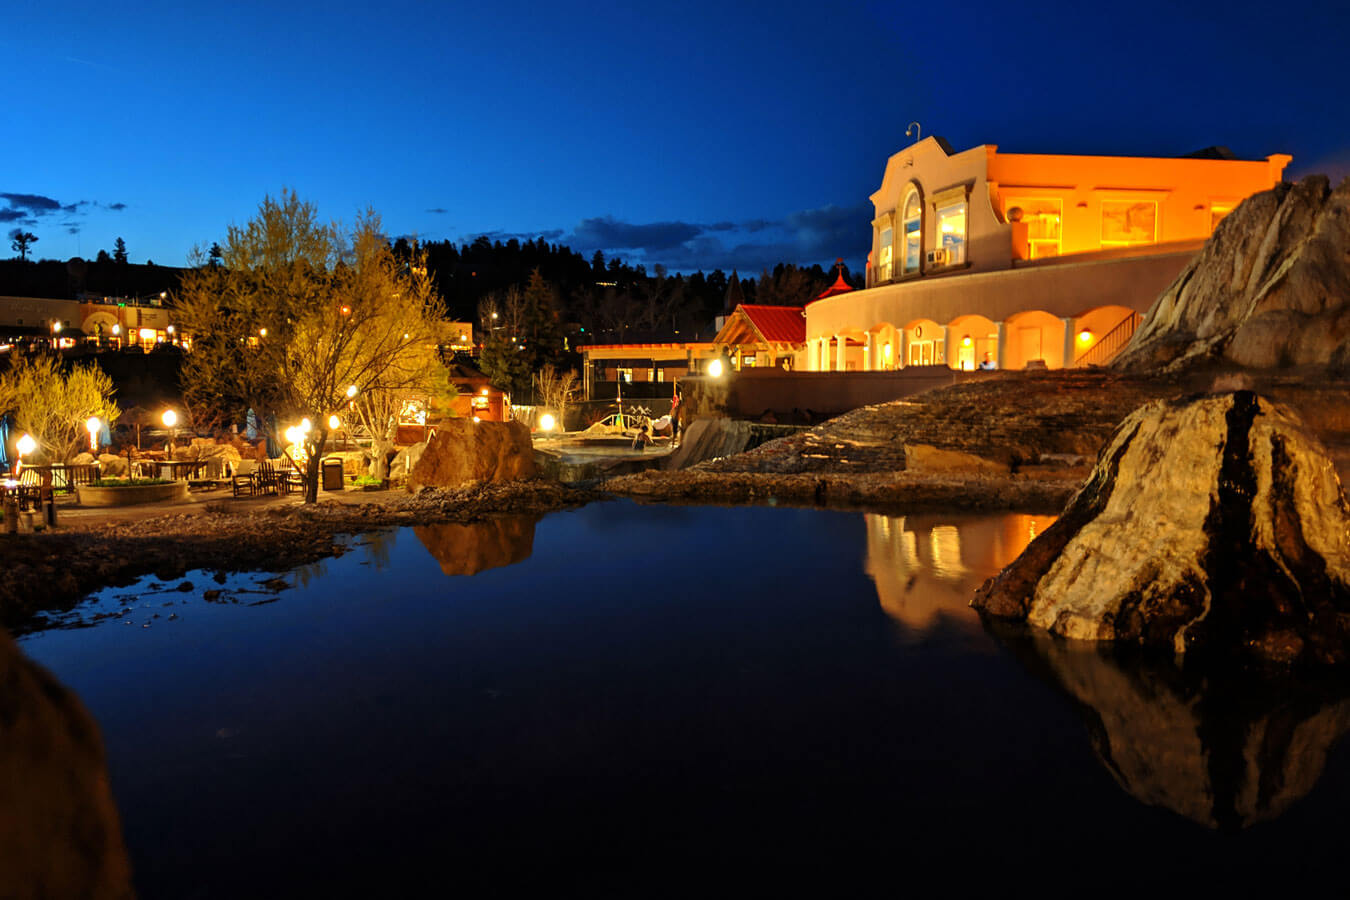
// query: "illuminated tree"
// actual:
[[555, 389], [53, 403], [297, 314]]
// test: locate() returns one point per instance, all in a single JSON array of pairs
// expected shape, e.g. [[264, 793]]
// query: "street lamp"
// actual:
[[715, 368], [92, 427], [170, 419], [25, 446]]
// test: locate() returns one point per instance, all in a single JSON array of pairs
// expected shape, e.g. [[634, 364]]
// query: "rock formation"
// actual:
[[1216, 522], [1271, 288], [59, 831], [463, 451]]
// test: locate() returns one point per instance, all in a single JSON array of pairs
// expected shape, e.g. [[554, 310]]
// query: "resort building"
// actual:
[[105, 321], [1008, 260], [640, 369], [762, 336]]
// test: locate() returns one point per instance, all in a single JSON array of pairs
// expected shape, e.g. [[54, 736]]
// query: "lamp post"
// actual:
[[92, 427], [170, 419]]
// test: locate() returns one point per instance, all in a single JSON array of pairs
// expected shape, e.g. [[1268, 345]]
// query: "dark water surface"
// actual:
[[676, 701]]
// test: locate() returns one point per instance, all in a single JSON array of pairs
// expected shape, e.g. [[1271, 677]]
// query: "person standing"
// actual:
[[675, 415]]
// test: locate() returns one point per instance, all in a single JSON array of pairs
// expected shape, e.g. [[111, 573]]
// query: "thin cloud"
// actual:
[[609, 233], [438, 210], [116, 207]]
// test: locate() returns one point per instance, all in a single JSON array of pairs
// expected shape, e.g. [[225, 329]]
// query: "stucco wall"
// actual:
[[1064, 290], [751, 393]]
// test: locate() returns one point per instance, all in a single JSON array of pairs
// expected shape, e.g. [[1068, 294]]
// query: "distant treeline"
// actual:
[[608, 297]]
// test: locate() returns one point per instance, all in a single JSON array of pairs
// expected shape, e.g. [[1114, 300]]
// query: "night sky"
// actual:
[[705, 135]]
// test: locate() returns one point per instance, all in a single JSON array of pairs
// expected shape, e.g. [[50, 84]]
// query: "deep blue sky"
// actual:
[[705, 135]]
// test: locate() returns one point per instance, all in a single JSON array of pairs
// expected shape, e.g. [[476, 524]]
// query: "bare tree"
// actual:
[[297, 315], [556, 389]]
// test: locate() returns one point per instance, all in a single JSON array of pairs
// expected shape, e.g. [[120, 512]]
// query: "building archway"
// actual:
[[972, 341], [1100, 333], [1034, 335], [924, 344]]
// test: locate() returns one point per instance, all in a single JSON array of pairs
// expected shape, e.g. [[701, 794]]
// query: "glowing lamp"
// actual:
[[351, 391], [334, 423], [346, 310], [262, 332], [1085, 335], [715, 368], [26, 444], [485, 392], [147, 334], [546, 422], [169, 329], [966, 341], [92, 427], [56, 327], [306, 426], [170, 418], [476, 420], [293, 435], [117, 329]]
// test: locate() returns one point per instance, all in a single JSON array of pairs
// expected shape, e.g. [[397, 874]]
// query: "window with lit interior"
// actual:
[[1217, 213], [1042, 216], [910, 227], [1126, 223], [951, 232], [885, 250]]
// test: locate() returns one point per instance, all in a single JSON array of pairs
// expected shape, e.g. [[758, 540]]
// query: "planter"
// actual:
[[132, 494]]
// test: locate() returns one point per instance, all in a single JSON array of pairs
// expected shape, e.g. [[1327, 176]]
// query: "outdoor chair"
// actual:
[[243, 482]]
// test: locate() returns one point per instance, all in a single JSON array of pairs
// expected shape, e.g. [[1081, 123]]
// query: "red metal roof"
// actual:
[[777, 324], [840, 286]]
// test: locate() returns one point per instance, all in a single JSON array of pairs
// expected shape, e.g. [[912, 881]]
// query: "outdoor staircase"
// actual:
[[1111, 343]]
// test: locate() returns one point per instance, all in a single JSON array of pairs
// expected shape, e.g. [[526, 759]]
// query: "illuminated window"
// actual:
[[624, 375], [911, 226], [1129, 222], [1217, 212], [1042, 216], [951, 231], [884, 255]]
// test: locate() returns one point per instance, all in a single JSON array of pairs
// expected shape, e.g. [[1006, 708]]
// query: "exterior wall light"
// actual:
[[715, 368], [1085, 335]]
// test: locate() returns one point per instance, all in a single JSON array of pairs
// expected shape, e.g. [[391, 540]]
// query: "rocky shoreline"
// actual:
[[1019, 442]]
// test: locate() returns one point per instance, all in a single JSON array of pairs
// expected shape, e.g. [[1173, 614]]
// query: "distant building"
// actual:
[[105, 321], [762, 336], [1010, 260], [640, 369]]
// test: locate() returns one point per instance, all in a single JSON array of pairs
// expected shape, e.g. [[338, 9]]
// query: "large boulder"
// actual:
[[59, 834], [1271, 288], [463, 452], [1215, 522]]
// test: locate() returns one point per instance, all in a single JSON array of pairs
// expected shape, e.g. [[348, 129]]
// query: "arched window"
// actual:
[[911, 225]]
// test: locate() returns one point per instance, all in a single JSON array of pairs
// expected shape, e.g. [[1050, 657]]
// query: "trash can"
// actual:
[[332, 474]]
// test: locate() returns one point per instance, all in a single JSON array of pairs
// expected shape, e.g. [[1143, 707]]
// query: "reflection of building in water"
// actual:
[[927, 565], [470, 549], [1225, 749]]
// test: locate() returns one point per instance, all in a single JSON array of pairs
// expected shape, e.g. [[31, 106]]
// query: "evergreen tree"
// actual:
[[20, 241], [120, 251]]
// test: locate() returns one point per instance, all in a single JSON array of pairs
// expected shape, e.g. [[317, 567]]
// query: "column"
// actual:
[[946, 337], [840, 347], [824, 354], [812, 357], [1000, 353], [1070, 329], [901, 348], [869, 351]]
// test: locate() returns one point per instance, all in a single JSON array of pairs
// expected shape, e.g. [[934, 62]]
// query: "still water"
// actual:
[[646, 701]]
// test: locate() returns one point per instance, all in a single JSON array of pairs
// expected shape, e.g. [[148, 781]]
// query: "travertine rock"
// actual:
[[1216, 522], [463, 451], [937, 461], [59, 832], [110, 465], [1271, 288]]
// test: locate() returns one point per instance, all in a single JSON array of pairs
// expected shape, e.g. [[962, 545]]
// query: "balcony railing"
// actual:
[[1111, 343]]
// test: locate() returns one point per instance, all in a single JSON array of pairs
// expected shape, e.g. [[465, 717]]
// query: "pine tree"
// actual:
[[120, 251]]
